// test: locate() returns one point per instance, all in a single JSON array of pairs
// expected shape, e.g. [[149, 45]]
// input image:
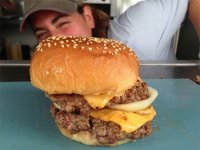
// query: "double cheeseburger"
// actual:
[[96, 93]]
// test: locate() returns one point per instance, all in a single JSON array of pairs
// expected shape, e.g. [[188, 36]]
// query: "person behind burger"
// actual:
[[147, 27]]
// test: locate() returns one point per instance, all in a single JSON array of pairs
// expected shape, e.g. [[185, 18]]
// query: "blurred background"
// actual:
[[19, 46]]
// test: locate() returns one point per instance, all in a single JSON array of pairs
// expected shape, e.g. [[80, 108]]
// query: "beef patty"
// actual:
[[74, 114], [75, 102], [105, 132]]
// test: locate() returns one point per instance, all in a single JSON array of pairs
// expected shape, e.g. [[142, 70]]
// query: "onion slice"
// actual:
[[57, 106], [140, 105]]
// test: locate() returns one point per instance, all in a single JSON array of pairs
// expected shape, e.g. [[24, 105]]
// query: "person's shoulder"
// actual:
[[153, 5], [152, 21]]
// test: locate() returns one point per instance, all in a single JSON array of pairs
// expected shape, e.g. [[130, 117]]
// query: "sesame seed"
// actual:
[[61, 42], [48, 40], [47, 72], [76, 45], [63, 46], [90, 48], [73, 41], [53, 37]]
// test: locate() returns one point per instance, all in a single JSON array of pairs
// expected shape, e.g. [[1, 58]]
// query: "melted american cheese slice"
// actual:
[[100, 101], [129, 121]]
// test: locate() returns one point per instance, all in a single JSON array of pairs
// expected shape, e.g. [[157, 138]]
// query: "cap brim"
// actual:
[[24, 20]]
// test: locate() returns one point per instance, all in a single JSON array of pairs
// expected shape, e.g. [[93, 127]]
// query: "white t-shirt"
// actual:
[[149, 26]]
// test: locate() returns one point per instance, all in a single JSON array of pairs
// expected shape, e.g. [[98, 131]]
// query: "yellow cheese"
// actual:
[[98, 101], [129, 121]]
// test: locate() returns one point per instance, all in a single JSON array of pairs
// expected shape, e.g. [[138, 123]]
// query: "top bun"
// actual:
[[83, 66]]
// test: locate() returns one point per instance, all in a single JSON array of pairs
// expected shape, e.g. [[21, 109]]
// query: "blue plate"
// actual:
[[26, 123]]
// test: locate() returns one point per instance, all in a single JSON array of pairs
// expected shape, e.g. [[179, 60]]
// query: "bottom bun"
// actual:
[[87, 138]]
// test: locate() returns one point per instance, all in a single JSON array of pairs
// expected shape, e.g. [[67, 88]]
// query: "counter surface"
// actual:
[[26, 123]]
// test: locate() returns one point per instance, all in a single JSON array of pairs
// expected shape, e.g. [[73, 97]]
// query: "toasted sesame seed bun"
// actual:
[[83, 66]]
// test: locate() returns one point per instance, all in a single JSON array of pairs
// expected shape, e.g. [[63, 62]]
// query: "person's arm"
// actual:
[[194, 14]]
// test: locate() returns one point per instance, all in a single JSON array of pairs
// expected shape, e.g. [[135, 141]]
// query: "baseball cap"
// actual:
[[63, 6]]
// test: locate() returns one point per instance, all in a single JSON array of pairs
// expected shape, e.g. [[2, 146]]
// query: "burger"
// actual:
[[93, 83]]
